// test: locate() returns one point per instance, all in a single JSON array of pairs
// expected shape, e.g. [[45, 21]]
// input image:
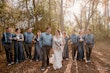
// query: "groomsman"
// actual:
[[89, 43], [7, 43], [74, 40], [28, 40], [46, 40]]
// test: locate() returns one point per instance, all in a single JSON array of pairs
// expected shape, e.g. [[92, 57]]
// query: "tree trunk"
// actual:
[[61, 17], [50, 13], [27, 13]]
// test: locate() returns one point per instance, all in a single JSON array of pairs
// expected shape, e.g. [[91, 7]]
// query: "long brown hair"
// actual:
[[58, 31], [37, 32]]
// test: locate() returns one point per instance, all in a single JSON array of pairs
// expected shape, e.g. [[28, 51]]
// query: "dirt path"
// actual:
[[100, 63], [69, 65], [102, 55]]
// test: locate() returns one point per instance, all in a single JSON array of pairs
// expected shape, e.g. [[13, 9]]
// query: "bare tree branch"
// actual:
[[77, 20]]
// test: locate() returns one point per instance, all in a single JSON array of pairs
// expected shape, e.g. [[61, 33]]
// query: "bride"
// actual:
[[58, 44]]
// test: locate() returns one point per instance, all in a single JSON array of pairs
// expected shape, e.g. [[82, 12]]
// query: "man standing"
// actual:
[[74, 40], [28, 39], [7, 43], [89, 43], [46, 40]]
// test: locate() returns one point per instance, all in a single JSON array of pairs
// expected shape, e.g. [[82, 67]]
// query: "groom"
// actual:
[[46, 41]]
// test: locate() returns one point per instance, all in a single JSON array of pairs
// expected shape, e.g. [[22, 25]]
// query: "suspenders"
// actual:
[[6, 38]]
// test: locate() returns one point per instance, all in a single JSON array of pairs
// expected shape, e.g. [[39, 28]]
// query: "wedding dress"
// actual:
[[58, 49]]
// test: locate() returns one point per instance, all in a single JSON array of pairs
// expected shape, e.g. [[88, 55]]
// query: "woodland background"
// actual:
[[42, 13]]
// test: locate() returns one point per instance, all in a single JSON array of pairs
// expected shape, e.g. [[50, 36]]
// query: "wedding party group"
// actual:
[[47, 45]]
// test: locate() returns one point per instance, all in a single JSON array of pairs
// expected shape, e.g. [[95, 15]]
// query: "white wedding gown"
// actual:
[[58, 49]]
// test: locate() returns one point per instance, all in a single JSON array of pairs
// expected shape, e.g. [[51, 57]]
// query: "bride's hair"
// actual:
[[59, 31]]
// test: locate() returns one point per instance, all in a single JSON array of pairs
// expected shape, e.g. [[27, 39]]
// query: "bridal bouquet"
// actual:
[[58, 45]]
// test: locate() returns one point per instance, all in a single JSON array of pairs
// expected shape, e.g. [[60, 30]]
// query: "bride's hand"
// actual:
[[62, 44]]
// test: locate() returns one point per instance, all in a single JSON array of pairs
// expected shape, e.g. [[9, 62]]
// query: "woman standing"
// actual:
[[58, 44], [80, 55], [66, 50], [37, 52], [18, 46]]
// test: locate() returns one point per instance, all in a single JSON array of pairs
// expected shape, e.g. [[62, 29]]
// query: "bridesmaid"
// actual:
[[80, 54], [37, 52], [18, 46], [66, 50]]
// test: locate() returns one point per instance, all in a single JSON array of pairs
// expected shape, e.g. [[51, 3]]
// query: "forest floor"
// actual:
[[100, 63]]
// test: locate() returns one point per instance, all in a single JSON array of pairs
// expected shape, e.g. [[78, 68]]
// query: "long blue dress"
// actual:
[[37, 52], [18, 50], [80, 54], [66, 50]]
